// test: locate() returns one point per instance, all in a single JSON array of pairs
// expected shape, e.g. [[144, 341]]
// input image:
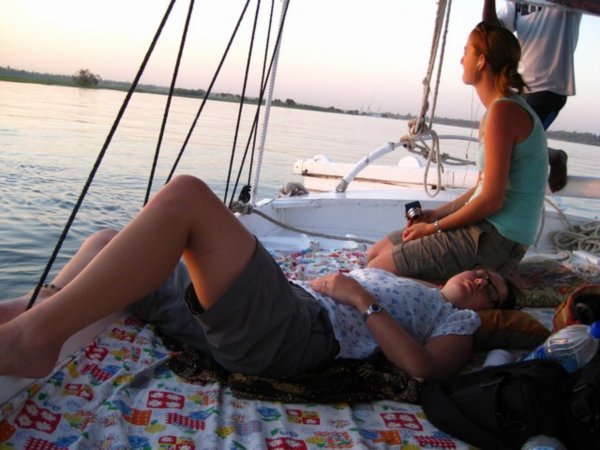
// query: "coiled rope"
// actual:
[[584, 237]]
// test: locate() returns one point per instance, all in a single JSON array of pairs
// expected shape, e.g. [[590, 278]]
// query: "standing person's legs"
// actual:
[[185, 217], [547, 105]]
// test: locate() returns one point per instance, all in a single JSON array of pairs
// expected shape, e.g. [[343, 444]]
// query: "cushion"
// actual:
[[544, 282], [508, 329]]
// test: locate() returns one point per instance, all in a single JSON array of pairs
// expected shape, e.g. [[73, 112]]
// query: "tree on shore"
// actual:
[[85, 78]]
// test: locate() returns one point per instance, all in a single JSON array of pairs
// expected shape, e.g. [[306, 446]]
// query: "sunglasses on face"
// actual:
[[490, 289]]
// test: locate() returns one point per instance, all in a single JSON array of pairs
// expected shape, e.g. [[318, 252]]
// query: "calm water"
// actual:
[[51, 136]]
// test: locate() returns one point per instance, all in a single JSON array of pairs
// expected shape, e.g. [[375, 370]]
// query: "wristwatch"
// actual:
[[374, 308]]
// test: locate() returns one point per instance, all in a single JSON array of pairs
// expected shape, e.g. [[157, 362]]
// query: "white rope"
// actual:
[[267, 113], [439, 19], [584, 237], [430, 153], [242, 208], [418, 130]]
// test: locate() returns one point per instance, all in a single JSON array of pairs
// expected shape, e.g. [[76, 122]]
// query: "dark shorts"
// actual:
[[262, 325], [546, 105], [440, 256]]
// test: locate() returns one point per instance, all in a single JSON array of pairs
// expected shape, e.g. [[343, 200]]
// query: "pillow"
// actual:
[[544, 282], [508, 329]]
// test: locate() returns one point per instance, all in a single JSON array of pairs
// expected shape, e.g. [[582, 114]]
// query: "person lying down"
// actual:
[[242, 310]]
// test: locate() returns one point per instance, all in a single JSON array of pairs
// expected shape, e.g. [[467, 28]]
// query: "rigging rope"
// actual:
[[245, 193], [241, 108], [120, 114], [260, 99], [169, 98], [418, 129], [271, 77], [90, 178], [208, 91]]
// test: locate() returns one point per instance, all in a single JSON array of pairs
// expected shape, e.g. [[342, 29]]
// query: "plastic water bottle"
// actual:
[[543, 442], [573, 347]]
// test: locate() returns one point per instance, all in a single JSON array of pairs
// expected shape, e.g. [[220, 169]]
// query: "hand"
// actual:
[[417, 230], [427, 215], [343, 289]]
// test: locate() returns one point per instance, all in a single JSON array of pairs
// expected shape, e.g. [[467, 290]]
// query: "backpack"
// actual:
[[500, 407], [582, 409]]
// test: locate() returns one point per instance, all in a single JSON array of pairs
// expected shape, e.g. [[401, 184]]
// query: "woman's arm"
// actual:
[[450, 207], [439, 357]]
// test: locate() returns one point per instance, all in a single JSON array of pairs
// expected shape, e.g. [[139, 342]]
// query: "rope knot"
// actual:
[[241, 207]]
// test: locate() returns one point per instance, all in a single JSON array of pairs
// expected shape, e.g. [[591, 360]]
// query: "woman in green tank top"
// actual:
[[492, 224]]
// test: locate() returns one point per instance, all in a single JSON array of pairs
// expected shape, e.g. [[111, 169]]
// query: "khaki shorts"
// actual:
[[440, 256], [263, 325]]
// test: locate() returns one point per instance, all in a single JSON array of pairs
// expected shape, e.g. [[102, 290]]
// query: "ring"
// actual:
[[323, 284]]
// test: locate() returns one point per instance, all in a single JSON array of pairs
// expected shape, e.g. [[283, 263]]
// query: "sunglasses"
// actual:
[[490, 289]]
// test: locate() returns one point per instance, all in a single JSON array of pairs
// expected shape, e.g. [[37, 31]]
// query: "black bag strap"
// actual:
[[438, 408]]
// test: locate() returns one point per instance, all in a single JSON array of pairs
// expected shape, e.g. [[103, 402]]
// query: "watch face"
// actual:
[[375, 308]]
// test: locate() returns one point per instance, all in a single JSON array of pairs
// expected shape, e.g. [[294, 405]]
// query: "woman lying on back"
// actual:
[[239, 307]]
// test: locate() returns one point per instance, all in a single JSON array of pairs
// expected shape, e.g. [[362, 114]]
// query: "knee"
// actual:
[[372, 253], [378, 248], [185, 188], [100, 239]]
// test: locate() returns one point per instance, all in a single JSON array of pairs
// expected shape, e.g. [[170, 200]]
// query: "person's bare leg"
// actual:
[[11, 308], [379, 256], [185, 217], [384, 261], [382, 246]]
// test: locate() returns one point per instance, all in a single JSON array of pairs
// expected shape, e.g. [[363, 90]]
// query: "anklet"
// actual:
[[51, 286]]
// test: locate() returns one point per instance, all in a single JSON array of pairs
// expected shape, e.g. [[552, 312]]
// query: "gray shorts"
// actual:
[[263, 325], [440, 256]]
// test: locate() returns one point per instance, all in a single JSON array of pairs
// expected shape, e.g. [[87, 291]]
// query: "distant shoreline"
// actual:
[[23, 76]]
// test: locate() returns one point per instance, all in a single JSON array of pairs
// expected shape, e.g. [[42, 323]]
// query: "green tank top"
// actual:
[[520, 214]]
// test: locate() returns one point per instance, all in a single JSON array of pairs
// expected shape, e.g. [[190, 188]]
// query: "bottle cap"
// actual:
[[595, 329]]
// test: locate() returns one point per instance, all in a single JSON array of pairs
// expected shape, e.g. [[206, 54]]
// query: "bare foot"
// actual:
[[558, 169]]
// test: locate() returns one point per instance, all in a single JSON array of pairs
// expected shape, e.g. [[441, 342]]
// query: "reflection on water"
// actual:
[[50, 138]]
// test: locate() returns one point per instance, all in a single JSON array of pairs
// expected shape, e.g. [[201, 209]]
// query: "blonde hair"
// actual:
[[502, 52]]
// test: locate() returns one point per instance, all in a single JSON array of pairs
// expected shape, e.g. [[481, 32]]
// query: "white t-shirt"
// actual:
[[420, 310], [548, 37]]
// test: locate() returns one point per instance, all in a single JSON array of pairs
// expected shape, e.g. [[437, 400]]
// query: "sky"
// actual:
[[369, 55]]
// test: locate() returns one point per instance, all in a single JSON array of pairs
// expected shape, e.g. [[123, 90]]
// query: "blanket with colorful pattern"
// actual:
[[118, 393]]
